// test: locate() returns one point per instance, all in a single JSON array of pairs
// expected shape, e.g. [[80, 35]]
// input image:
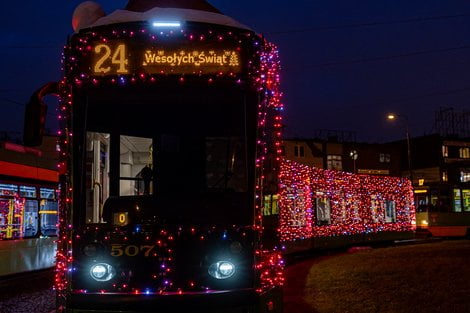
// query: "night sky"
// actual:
[[345, 63]]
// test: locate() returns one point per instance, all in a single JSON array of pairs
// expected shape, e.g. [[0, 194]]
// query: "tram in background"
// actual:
[[326, 209], [28, 210], [170, 137]]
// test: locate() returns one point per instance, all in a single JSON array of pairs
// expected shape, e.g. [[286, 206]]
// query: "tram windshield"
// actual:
[[189, 149]]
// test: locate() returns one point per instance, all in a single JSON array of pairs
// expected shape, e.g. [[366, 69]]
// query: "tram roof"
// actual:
[[167, 10]]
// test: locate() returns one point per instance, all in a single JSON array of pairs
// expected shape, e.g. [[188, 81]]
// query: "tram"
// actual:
[[327, 209], [170, 139], [28, 210]]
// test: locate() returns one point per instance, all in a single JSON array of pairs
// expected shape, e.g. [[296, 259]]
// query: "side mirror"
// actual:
[[35, 115]]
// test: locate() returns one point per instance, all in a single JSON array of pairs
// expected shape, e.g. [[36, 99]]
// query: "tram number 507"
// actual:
[[111, 60], [131, 250]]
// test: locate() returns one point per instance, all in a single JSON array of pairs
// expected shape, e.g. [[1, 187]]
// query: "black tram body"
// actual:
[[167, 146]]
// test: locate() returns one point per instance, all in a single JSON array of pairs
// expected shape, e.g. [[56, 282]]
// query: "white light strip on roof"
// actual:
[[166, 24]]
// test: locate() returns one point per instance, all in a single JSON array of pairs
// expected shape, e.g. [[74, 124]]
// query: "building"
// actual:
[[353, 157], [441, 173]]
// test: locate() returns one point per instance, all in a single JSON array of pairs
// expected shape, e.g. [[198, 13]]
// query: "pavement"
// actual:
[[294, 288]]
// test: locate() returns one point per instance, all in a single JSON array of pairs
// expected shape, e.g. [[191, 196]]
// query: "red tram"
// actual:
[[28, 209]]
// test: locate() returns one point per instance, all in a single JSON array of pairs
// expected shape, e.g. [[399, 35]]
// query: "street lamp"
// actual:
[[392, 117], [353, 154]]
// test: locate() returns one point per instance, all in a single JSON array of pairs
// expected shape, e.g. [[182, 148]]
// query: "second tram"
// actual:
[[28, 210]]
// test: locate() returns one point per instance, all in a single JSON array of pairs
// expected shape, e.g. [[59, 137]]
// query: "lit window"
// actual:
[[271, 205], [464, 153], [457, 205], [27, 192], [299, 151], [8, 189], [334, 162], [323, 211], [464, 176], [267, 205], [390, 213], [466, 199], [445, 151], [47, 193], [384, 157], [444, 176], [30, 218], [48, 214]]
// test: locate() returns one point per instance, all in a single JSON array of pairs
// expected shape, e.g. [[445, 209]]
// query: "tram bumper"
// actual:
[[243, 301]]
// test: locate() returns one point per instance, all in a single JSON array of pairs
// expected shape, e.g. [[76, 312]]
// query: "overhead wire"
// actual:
[[366, 24], [388, 57]]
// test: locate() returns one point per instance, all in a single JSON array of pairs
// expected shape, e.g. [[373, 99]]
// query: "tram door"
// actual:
[[97, 175]]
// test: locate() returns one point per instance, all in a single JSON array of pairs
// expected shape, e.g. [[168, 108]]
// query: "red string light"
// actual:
[[357, 202]]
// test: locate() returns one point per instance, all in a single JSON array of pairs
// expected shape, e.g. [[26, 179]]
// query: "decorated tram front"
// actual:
[[169, 139]]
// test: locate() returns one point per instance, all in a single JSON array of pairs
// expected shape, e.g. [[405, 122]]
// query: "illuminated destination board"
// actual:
[[121, 58]]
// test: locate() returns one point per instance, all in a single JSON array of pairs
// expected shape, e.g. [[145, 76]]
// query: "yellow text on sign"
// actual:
[[130, 250], [121, 219], [225, 58], [110, 61]]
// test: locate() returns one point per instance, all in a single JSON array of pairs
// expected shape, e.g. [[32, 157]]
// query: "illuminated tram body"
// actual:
[[170, 138]]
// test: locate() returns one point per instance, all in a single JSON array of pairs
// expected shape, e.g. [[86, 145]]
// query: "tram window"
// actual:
[[4, 217], [8, 189], [27, 191], [271, 205], [267, 205], [136, 166], [457, 205], [48, 213], [275, 204], [374, 209], [10, 218], [97, 174], [225, 163], [30, 218], [47, 193], [323, 211], [466, 199], [390, 213]]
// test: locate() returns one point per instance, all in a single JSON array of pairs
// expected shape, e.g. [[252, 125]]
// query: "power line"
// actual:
[[366, 24], [388, 57], [431, 94]]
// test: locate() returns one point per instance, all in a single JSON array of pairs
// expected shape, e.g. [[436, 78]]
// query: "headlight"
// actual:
[[222, 270], [102, 272]]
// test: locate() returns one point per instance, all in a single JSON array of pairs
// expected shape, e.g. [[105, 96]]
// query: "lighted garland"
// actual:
[[64, 257], [357, 202], [269, 262]]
